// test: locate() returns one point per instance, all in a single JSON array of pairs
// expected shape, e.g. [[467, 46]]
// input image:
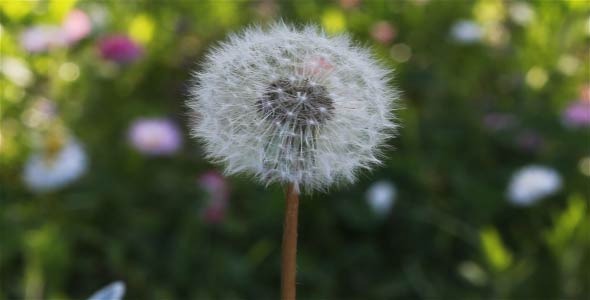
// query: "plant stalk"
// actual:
[[289, 247]]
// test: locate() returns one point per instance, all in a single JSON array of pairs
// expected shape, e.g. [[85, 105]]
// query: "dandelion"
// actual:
[[113, 291], [155, 136], [292, 106], [295, 107], [120, 49], [381, 197], [62, 161], [532, 183]]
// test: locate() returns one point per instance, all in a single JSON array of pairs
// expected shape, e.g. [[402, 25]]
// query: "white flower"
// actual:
[[466, 32], [113, 291], [381, 197], [531, 183], [293, 106], [52, 169]]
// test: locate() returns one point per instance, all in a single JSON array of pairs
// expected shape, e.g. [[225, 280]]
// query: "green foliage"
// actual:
[[452, 233]]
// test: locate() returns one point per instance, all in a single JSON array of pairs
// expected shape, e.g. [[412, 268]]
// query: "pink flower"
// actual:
[[577, 115], [120, 49], [383, 32], [76, 25], [41, 38], [217, 189], [156, 136]]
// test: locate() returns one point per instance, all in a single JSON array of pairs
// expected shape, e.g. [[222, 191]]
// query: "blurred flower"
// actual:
[[217, 189], [260, 114], [401, 52], [76, 25], [98, 14], [577, 115], [496, 34], [16, 70], [584, 165], [40, 114], [113, 291], [42, 37], [536, 77], [585, 93], [266, 9], [381, 197], [383, 32], [120, 49], [466, 32], [521, 13], [155, 136], [568, 64], [58, 164], [531, 183], [499, 121], [529, 140], [348, 4]]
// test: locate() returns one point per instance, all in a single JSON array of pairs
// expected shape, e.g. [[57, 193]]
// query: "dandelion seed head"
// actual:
[[293, 105]]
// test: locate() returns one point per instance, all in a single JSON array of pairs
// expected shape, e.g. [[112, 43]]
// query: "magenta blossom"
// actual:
[[577, 115], [217, 189], [120, 49], [76, 25], [156, 136]]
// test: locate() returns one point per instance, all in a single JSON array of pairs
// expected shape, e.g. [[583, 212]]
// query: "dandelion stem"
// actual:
[[289, 254]]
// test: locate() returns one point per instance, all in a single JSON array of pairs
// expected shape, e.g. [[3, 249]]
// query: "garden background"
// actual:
[[100, 181]]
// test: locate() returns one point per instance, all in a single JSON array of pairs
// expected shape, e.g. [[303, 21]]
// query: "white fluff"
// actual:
[[296, 138], [531, 183]]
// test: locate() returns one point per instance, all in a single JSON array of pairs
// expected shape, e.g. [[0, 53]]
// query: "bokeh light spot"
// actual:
[[536, 77], [568, 64], [333, 21], [141, 29], [69, 71], [401, 52], [584, 166]]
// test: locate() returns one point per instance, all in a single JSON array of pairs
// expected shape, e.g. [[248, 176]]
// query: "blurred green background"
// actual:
[[100, 181]]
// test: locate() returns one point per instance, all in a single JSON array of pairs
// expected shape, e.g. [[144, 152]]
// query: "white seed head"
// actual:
[[293, 106]]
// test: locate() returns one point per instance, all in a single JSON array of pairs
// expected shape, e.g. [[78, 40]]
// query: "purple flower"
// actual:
[[76, 25], [120, 49], [41, 38], [217, 189], [156, 136], [577, 115], [498, 121], [529, 140]]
